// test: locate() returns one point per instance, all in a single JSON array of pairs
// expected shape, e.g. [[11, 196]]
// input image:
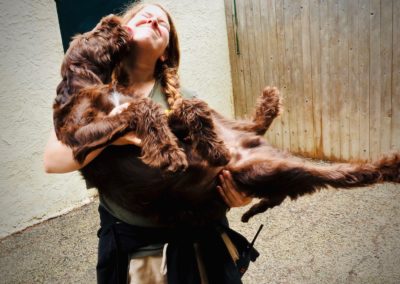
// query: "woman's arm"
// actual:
[[58, 157]]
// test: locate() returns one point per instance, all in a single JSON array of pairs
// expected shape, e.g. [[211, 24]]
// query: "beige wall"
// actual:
[[30, 56]]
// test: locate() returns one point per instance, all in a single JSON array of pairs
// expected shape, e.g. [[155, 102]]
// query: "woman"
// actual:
[[152, 70]]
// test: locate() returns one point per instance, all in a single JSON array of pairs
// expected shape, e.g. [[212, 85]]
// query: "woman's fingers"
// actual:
[[129, 138], [133, 139], [229, 193]]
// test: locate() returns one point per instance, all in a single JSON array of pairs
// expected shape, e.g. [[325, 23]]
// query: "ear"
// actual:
[[163, 57]]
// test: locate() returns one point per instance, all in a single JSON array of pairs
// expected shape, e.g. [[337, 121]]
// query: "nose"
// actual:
[[153, 21]]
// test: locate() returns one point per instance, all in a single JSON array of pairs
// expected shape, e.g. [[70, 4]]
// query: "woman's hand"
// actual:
[[230, 195], [129, 138]]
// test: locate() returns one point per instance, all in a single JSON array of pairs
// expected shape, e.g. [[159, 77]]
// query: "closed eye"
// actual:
[[161, 21]]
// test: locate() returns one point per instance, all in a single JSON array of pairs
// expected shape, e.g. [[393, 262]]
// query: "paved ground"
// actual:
[[60, 250], [330, 237]]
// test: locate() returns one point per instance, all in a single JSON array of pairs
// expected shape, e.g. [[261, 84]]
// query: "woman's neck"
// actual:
[[140, 68]]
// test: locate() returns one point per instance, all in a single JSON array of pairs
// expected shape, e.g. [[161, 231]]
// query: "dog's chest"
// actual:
[[118, 98]]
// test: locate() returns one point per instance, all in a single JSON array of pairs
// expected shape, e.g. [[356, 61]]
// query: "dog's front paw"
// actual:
[[216, 153], [170, 159], [220, 156], [176, 162]]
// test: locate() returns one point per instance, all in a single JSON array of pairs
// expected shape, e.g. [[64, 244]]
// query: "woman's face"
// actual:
[[150, 29]]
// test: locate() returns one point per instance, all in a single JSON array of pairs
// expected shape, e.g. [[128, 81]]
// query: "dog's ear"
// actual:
[[63, 93]]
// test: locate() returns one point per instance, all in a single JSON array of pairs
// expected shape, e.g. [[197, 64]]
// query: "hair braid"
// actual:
[[169, 81]]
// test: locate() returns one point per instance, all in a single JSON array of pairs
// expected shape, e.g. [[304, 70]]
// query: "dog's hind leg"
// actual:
[[263, 205], [277, 179]]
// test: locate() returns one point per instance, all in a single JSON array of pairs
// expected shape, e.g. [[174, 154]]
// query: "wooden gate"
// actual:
[[337, 64]]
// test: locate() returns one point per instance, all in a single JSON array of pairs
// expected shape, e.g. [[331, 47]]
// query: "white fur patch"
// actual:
[[115, 97]]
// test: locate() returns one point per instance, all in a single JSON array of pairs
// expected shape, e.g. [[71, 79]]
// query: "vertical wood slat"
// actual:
[[343, 80], [386, 45], [264, 51], [308, 129], [337, 65], [297, 71], [289, 75], [334, 82], [375, 79], [324, 37], [354, 80], [395, 122], [272, 60], [315, 53], [363, 59], [241, 41], [237, 79], [253, 60], [283, 81]]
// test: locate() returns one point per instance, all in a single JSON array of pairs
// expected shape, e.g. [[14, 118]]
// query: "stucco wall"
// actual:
[[30, 56]]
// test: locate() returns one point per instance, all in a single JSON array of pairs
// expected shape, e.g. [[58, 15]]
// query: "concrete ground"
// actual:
[[330, 237]]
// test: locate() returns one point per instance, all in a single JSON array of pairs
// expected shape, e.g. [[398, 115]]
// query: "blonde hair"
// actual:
[[165, 71]]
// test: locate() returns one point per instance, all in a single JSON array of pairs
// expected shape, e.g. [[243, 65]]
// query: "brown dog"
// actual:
[[193, 143]]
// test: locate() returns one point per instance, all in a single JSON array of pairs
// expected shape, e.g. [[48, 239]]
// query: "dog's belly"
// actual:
[[244, 147]]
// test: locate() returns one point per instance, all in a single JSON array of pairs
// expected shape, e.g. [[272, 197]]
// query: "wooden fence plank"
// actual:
[[237, 79], [315, 50], [343, 102], [308, 129], [244, 54], [252, 54], [282, 75], [325, 78], [395, 127], [354, 80], [273, 61], [265, 73], [363, 59], [375, 79], [263, 16], [297, 75], [289, 75], [386, 45], [335, 85]]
